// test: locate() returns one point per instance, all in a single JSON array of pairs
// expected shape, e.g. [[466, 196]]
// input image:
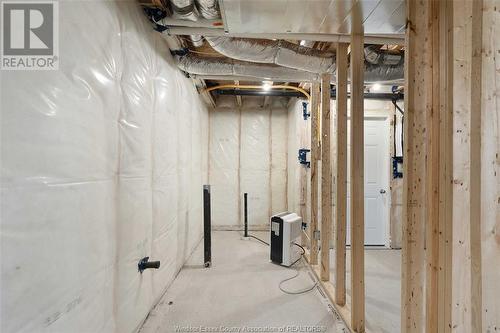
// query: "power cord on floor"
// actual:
[[295, 292], [260, 240]]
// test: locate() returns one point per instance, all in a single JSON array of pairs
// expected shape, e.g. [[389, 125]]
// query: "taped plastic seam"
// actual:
[[94, 188]]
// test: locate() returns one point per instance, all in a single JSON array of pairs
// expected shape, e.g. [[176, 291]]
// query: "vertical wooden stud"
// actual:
[[475, 166], [326, 178], [357, 174], [414, 191], [341, 174], [432, 170], [445, 225], [315, 156]]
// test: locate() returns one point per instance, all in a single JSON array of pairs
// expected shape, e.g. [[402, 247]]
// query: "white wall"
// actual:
[[248, 153], [103, 163]]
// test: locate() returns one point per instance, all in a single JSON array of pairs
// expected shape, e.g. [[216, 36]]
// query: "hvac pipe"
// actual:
[[201, 23], [235, 86], [397, 39], [236, 78], [271, 93], [281, 93]]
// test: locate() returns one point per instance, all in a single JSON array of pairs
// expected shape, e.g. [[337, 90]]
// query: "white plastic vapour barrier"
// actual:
[[248, 153], [103, 163]]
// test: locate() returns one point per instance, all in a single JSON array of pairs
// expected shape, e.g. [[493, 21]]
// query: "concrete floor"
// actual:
[[241, 290], [382, 288]]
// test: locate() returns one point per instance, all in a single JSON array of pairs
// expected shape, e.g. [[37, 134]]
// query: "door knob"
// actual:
[[382, 191]]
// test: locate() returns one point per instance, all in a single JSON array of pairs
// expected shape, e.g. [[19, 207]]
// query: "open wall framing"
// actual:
[[451, 215]]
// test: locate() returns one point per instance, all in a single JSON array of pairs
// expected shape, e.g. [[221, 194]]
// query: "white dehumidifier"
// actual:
[[285, 230]]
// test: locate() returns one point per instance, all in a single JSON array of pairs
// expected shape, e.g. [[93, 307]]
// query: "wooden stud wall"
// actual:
[[452, 76], [451, 214]]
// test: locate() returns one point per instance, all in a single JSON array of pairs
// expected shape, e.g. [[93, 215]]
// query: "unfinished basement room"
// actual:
[[265, 166]]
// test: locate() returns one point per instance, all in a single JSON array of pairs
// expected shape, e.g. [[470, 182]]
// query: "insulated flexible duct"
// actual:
[[226, 67], [384, 73], [383, 66], [185, 9], [374, 56], [204, 66], [209, 9], [278, 52], [379, 66]]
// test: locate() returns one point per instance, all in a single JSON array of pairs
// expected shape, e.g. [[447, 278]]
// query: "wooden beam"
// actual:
[[432, 90], [417, 102], [326, 178], [490, 167], [341, 174], [315, 156], [475, 166], [445, 224], [357, 174]]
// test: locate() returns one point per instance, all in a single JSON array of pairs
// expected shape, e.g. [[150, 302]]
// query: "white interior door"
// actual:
[[377, 168]]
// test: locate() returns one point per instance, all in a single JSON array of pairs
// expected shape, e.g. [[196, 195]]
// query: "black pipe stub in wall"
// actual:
[[144, 264]]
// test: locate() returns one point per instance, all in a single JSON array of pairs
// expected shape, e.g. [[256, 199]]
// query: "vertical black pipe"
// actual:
[[207, 226], [245, 205]]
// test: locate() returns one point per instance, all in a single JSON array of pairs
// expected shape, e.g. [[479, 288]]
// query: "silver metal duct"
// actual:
[[384, 73], [277, 52], [209, 9], [380, 66], [224, 67], [197, 40], [374, 56], [185, 9]]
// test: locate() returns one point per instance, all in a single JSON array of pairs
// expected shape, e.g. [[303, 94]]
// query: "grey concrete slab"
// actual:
[[382, 288], [239, 291]]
